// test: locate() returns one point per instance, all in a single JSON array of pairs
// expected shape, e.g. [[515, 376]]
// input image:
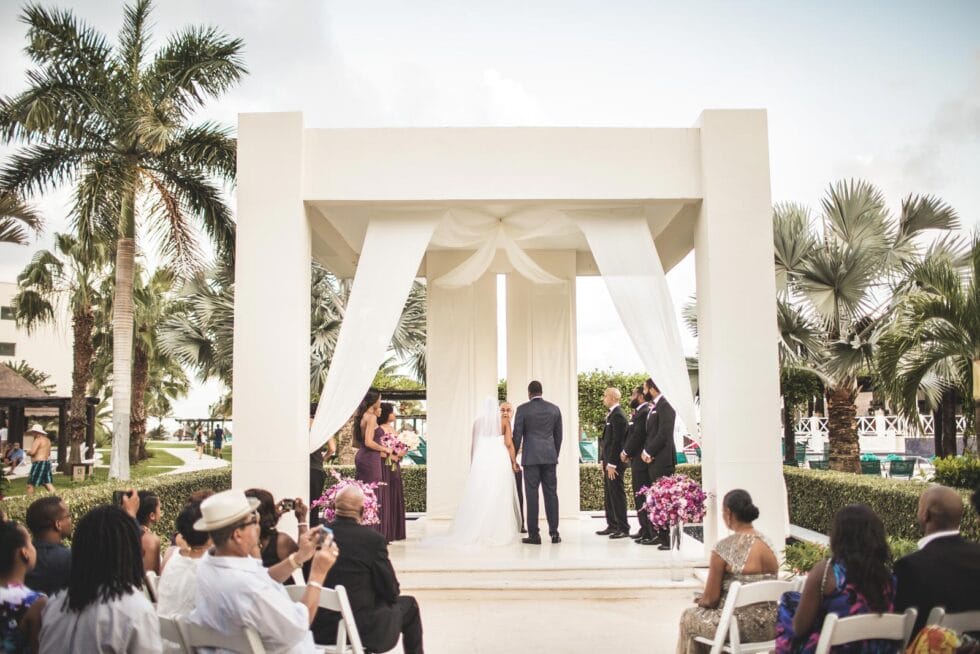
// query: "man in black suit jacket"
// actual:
[[945, 571], [659, 451], [613, 439], [538, 434], [635, 437], [364, 570]]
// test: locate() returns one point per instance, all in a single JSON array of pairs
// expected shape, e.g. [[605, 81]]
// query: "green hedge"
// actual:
[[815, 495], [172, 489], [958, 471], [591, 385]]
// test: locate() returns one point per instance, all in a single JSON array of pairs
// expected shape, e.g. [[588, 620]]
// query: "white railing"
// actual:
[[872, 425]]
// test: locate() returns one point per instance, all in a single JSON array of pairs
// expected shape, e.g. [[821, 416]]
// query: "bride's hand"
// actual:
[[517, 468]]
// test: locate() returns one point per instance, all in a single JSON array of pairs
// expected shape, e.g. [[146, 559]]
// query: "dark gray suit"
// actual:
[[538, 430]]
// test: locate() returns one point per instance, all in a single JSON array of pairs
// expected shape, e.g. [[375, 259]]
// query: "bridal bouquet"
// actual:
[[327, 500], [673, 500], [398, 448], [410, 439]]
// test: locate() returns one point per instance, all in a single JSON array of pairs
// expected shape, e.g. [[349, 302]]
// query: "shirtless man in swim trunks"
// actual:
[[40, 474]]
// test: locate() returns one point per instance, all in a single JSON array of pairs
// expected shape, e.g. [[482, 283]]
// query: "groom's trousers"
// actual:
[[546, 477]]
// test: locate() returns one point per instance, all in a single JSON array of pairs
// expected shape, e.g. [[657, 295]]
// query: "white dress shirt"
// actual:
[[234, 592], [925, 540], [177, 587], [125, 625], [611, 409]]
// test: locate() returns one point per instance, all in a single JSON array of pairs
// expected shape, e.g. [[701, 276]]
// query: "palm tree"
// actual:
[[37, 378], [115, 121], [843, 273], [69, 274], [934, 344], [15, 215]]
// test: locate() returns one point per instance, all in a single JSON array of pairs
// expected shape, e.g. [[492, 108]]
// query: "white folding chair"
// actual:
[[152, 583], [740, 595], [959, 622], [335, 599], [196, 636], [871, 626], [169, 631]]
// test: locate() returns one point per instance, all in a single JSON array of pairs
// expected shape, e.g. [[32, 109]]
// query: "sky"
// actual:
[[888, 92]]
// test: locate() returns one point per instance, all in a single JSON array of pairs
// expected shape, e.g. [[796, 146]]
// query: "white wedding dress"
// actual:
[[488, 512]]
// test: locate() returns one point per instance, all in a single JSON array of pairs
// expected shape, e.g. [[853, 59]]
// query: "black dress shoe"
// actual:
[[556, 538], [619, 534], [523, 530], [663, 546], [644, 541], [637, 535], [605, 532], [532, 540]]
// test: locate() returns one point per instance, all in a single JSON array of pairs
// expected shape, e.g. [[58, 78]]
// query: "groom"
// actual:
[[537, 426]]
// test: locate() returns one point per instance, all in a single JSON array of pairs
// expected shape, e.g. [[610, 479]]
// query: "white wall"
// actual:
[[47, 348]]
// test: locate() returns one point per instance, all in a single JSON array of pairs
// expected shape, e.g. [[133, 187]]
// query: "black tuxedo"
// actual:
[[613, 440], [659, 442], [946, 572], [635, 437], [364, 570]]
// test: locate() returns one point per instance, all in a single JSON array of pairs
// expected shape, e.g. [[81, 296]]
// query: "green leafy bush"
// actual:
[[801, 556], [958, 472], [172, 489], [591, 385], [901, 546], [815, 495], [591, 491]]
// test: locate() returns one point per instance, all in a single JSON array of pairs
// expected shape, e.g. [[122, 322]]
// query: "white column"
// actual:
[[272, 308], [736, 289], [461, 342], [541, 344]]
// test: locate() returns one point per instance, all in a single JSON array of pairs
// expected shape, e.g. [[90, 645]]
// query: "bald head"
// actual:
[[940, 509], [611, 397], [350, 502]]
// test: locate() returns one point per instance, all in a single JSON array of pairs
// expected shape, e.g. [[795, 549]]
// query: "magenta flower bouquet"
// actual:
[[398, 448], [673, 500], [327, 500]]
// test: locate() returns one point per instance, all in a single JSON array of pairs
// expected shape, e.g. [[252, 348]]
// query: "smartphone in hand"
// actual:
[[320, 533], [119, 495]]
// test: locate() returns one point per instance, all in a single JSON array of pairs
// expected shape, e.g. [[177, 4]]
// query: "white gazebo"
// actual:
[[542, 206]]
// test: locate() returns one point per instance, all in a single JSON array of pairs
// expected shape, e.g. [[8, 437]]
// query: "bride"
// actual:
[[488, 513]]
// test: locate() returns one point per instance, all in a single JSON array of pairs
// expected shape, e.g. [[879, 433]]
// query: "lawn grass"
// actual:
[[158, 445]]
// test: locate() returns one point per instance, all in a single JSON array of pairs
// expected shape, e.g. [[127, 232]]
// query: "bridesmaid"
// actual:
[[393, 504], [367, 461]]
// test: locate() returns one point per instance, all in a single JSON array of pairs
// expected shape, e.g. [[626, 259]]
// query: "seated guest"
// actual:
[[744, 556], [104, 608], [15, 457], [275, 546], [148, 514], [178, 582], [364, 570], [235, 591], [856, 580], [946, 569], [50, 524], [20, 607]]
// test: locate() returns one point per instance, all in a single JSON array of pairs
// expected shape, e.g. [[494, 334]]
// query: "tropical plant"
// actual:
[[842, 273], [38, 378], [116, 122], [933, 346], [17, 219], [69, 274]]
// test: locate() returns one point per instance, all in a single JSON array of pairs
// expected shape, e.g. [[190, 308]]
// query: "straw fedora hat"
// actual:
[[36, 429], [224, 509]]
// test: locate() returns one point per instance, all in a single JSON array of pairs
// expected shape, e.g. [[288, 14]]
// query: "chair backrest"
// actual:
[[901, 468], [196, 636], [958, 622], [171, 632], [152, 584], [740, 595], [871, 468], [871, 626], [335, 599], [680, 457]]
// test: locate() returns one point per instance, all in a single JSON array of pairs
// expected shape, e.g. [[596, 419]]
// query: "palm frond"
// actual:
[[856, 214], [792, 240], [199, 196], [32, 168], [169, 216], [133, 38], [922, 212], [17, 219]]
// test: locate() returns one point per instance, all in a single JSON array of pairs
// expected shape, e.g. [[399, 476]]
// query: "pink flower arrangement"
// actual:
[[398, 448], [672, 500], [371, 505]]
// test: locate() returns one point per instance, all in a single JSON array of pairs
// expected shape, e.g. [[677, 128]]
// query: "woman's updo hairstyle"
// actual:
[[739, 502]]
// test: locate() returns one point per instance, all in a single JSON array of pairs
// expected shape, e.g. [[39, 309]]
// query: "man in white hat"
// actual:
[[235, 591], [40, 474]]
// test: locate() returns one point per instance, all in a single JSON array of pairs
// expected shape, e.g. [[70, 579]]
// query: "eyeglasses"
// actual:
[[254, 520]]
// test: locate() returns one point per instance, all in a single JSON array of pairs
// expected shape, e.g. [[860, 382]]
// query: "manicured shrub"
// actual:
[[173, 491], [803, 555], [958, 472], [591, 491], [591, 385]]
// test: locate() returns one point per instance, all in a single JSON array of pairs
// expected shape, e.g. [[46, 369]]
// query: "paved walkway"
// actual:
[[191, 463]]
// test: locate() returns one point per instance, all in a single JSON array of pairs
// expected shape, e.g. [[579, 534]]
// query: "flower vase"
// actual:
[[676, 560]]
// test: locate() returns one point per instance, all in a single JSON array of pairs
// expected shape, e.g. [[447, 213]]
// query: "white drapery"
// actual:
[[469, 228], [381, 286], [629, 264]]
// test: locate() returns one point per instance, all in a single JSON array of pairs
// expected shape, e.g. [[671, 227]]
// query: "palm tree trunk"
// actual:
[[137, 418], [345, 444], [845, 450], [939, 445], [971, 445], [122, 339], [789, 434], [82, 324], [948, 409]]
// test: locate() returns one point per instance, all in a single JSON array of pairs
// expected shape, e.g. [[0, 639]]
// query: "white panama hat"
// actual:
[[36, 429], [224, 509]]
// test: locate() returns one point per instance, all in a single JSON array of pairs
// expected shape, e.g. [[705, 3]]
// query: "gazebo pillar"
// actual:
[[737, 335], [541, 345], [461, 370]]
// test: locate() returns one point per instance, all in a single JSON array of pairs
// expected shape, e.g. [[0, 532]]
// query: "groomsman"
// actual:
[[635, 438], [613, 438], [659, 451]]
